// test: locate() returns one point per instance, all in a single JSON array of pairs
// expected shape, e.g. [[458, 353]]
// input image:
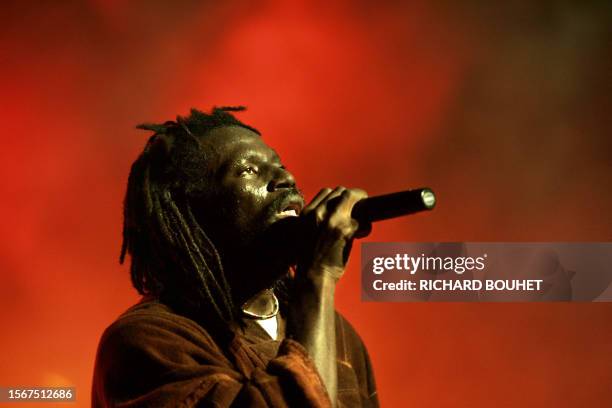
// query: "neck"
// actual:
[[261, 277]]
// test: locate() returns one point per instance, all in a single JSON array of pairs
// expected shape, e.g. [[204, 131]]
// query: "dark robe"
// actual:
[[153, 357]]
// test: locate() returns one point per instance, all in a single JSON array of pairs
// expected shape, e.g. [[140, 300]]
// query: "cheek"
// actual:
[[251, 200], [257, 194]]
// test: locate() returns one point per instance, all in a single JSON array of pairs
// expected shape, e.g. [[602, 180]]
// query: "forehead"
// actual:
[[234, 143]]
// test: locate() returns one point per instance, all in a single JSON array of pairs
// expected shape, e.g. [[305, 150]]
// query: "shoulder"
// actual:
[[144, 324], [147, 343], [150, 334], [152, 318]]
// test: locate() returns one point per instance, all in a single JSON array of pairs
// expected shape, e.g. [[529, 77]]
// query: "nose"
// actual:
[[281, 179]]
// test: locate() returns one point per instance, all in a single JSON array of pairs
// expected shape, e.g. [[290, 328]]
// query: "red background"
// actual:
[[502, 109]]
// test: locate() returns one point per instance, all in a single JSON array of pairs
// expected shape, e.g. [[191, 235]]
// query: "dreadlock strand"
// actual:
[[207, 290], [194, 248], [207, 244], [128, 216]]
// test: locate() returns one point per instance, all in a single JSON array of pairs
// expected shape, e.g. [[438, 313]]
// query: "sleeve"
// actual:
[[356, 383], [152, 362]]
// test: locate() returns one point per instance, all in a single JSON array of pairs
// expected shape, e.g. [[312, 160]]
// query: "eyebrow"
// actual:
[[274, 156]]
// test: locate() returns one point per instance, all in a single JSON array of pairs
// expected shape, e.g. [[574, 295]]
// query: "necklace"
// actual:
[[257, 316]]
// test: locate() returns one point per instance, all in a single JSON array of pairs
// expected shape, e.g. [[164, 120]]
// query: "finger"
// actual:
[[349, 198], [342, 212], [336, 192], [316, 200], [365, 228], [342, 229], [327, 205], [346, 229]]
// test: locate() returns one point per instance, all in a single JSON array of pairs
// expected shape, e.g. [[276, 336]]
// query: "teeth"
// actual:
[[289, 213]]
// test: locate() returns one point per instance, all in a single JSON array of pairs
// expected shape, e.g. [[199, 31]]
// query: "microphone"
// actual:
[[368, 210], [285, 238], [393, 205]]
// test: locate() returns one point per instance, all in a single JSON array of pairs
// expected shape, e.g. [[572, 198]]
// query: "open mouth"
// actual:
[[291, 210]]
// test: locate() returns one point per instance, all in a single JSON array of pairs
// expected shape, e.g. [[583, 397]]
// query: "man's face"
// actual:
[[251, 188]]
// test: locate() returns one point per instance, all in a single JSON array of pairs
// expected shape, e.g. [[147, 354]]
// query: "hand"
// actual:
[[329, 214], [329, 230]]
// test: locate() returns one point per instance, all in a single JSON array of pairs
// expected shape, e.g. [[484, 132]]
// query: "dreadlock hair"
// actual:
[[172, 257]]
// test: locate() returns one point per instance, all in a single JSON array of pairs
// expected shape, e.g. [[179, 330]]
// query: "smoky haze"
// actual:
[[503, 109]]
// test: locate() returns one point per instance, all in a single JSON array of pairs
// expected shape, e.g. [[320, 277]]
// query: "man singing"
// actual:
[[228, 317]]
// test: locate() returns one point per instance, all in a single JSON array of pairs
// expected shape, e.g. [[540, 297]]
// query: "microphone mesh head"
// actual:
[[429, 198]]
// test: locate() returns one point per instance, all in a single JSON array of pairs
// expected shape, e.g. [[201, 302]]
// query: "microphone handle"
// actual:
[[393, 205]]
